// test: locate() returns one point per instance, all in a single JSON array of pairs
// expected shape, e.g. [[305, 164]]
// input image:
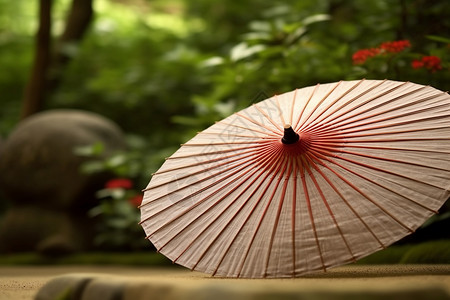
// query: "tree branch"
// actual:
[[43, 80], [78, 21], [35, 89]]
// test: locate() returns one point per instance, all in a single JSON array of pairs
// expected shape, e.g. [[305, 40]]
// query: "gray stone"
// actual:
[[346, 283], [40, 175], [64, 287]]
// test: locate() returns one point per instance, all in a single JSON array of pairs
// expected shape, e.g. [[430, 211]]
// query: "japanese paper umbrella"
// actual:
[[303, 181]]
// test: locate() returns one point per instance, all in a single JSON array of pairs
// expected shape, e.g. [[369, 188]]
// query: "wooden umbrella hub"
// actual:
[[293, 143]]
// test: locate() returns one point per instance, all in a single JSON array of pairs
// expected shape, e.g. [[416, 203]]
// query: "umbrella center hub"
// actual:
[[290, 136], [295, 144], [299, 147]]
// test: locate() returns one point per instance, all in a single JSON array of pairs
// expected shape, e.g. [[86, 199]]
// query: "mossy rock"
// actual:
[[40, 177]]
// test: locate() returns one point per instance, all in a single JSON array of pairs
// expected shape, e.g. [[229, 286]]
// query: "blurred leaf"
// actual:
[[316, 18], [260, 26], [115, 193], [242, 50], [70, 49], [295, 35], [118, 223], [92, 166], [135, 141], [184, 120], [95, 211], [116, 160], [95, 149], [438, 39], [211, 62], [278, 10], [225, 109], [264, 36]]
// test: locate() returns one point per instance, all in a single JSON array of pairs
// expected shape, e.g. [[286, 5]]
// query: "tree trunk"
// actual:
[[78, 21], [47, 70], [35, 90]]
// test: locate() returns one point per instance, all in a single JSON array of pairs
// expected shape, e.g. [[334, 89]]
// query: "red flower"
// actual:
[[417, 64], [118, 183], [360, 56], [431, 63], [395, 46], [136, 200]]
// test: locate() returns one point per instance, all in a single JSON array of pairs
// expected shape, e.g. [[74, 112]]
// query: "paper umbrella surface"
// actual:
[[303, 181]]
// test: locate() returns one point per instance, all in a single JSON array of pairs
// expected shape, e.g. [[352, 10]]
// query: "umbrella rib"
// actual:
[[266, 161], [386, 171], [210, 244], [268, 117], [200, 215], [198, 181], [325, 202], [238, 135], [343, 198], [301, 162], [223, 228], [201, 163], [343, 112], [341, 122], [268, 173], [196, 173], [249, 153], [348, 135], [319, 104], [278, 165], [390, 140], [220, 144], [294, 208], [349, 145], [189, 196], [204, 153], [378, 169], [300, 115], [409, 104], [283, 122], [316, 120], [357, 189], [280, 206], [294, 99], [248, 129], [257, 123], [329, 149], [345, 129]]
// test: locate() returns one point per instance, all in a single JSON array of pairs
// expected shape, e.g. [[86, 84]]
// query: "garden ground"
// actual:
[[120, 282]]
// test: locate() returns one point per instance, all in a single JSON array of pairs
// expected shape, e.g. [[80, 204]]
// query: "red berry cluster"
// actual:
[[119, 183], [431, 63], [360, 56], [395, 46], [127, 184]]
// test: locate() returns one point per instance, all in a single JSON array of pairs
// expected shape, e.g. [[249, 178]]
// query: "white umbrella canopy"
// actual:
[[303, 181]]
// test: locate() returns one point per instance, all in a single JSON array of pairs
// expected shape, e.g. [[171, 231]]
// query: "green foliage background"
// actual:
[[165, 69]]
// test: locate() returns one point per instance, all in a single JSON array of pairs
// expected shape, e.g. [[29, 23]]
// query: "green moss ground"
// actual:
[[433, 252], [96, 258]]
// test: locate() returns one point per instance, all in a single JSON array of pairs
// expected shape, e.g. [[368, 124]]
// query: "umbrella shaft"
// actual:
[[290, 136]]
